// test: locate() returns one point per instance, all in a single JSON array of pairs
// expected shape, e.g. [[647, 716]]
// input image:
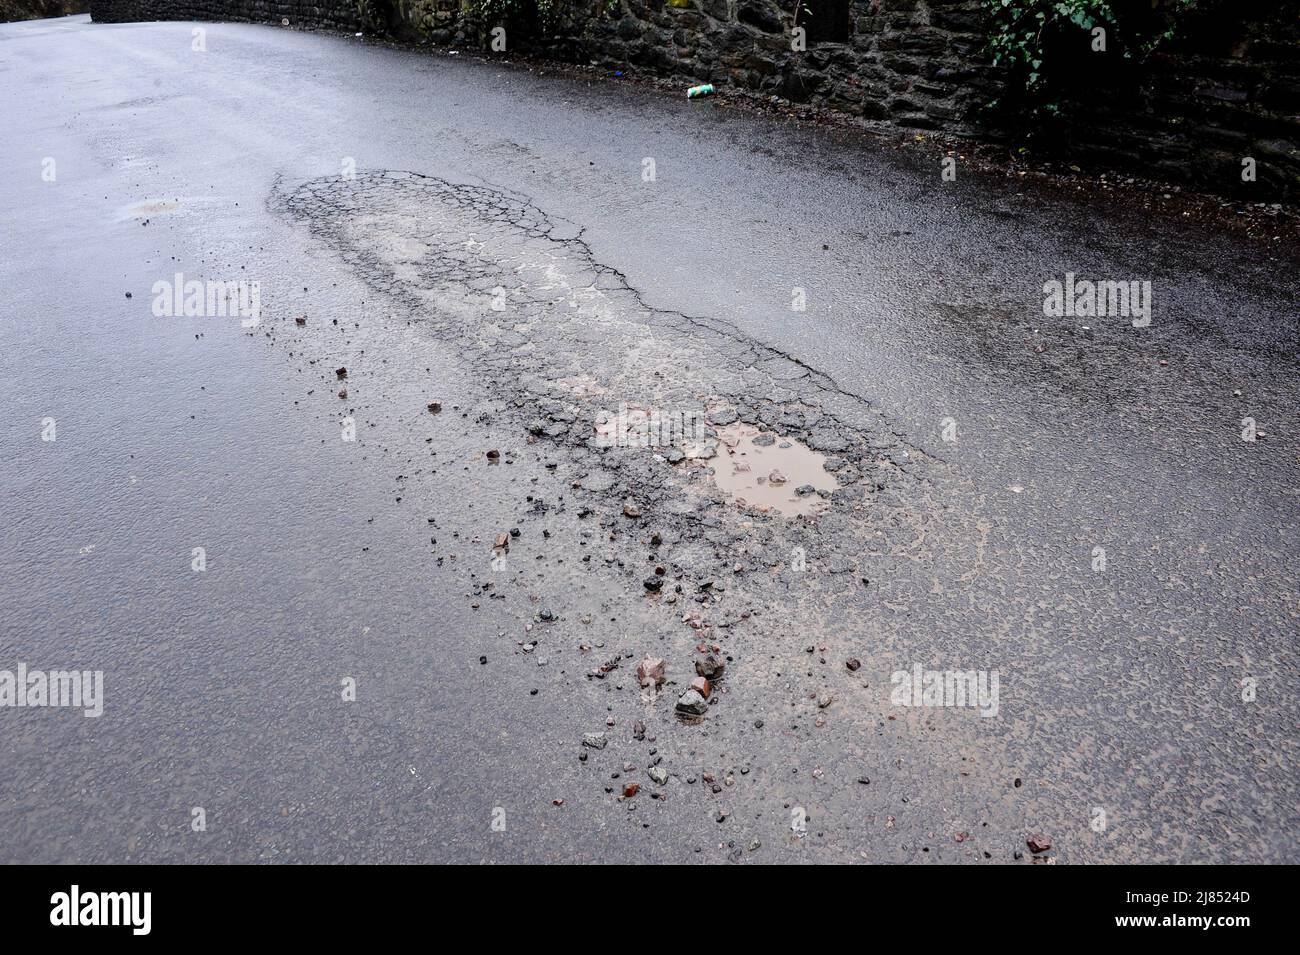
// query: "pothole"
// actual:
[[769, 473]]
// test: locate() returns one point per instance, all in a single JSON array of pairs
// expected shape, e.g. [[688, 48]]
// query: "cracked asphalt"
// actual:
[[484, 236]]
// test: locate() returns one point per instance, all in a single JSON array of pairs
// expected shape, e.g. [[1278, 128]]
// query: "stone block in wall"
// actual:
[[958, 21], [760, 14], [718, 9], [928, 43], [690, 21], [867, 26], [873, 109], [901, 65], [916, 121], [798, 86], [944, 112]]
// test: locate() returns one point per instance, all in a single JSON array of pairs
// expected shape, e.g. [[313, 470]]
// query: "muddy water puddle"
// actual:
[[769, 473]]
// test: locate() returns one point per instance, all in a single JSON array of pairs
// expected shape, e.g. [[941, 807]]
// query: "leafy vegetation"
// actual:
[[526, 14], [1041, 41]]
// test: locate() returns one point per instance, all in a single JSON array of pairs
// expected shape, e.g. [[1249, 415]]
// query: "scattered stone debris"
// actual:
[[494, 455], [605, 668], [709, 668], [300, 320], [1038, 843], [694, 531], [650, 670], [341, 373], [853, 663], [692, 702]]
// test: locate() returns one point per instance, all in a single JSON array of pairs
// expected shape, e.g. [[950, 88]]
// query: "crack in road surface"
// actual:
[[565, 340]]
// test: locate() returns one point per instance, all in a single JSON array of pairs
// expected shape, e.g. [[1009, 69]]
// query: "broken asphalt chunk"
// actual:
[[709, 668], [650, 670], [692, 702]]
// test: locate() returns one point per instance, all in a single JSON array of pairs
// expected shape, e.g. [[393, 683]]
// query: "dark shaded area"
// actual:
[[1223, 86], [827, 21], [13, 10]]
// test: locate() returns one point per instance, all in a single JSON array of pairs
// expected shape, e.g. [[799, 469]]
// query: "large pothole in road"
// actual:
[[576, 353], [760, 516]]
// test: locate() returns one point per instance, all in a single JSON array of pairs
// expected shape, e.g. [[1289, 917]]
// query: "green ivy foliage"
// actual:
[[1024, 33], [529, 14]]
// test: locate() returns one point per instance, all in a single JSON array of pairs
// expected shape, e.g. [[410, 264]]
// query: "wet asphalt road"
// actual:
[[1121, 689]]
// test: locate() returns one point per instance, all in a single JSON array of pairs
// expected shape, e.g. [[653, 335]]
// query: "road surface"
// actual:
[[313, 649]]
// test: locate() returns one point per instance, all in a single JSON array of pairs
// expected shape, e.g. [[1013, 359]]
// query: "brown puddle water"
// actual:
[[765, 476]]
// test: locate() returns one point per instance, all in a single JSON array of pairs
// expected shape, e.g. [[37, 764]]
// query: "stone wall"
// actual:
[[1228, 89], [327, 14], [14, 10], [914, 63]]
